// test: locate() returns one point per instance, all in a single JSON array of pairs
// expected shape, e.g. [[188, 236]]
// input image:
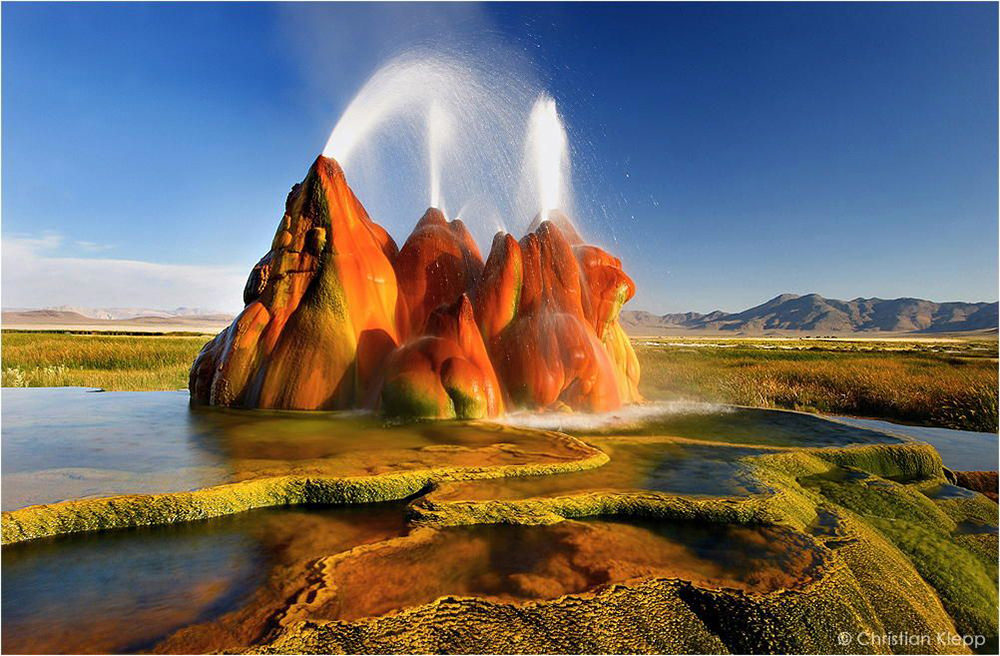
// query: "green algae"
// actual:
[[151, 509], [403, 399], [966, 584], [894, 560]]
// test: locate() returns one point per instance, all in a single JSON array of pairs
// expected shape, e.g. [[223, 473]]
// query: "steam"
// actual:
[[627, 417]]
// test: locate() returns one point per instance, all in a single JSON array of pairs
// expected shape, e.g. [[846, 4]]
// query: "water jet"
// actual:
[[338, 317]]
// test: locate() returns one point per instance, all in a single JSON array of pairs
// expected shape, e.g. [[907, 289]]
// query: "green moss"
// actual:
[[966, 585], [879, 497], [891, 560], [466, 406], [151, 509], [404, 400], [905, 462], [660, 615], [547, 510]]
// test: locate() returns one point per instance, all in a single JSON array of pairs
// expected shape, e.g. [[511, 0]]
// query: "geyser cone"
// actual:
[[445, 373], [320, 313], [607, 289], [563, 222], [540, 307], [438, 263]]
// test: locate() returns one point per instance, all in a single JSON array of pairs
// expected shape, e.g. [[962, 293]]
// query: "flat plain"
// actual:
[[950, 382]]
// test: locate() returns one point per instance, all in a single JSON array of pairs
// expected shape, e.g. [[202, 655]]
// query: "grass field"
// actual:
[[937, 383], [112, 362], [947, 383]]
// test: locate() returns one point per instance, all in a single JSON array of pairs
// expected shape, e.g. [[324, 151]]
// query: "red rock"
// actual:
[[438, 263], [547, 352], [445, 373], [321, 308], [336, 317]]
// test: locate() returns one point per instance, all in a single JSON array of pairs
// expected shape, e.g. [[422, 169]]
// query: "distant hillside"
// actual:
[[69, 319], [116, 313], [814, 314]]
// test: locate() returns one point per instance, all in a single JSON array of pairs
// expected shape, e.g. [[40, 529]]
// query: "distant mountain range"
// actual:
[[144, 319], [119, 313], [815, 314], [811, 314]]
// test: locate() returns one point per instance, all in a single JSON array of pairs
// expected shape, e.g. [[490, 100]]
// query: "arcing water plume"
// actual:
[[547, 156], [401, 91], [456, 112], [337, 316]]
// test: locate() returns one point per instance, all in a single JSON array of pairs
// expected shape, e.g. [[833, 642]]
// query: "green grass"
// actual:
[[950, 384], [112, 362]]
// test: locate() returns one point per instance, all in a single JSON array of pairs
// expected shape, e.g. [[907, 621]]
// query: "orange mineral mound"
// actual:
[[336, 318], [444, 373], [437, 264], [321, 308], [549, 315]]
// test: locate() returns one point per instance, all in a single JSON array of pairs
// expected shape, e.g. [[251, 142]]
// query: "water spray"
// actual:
[[438, 134], [547, 155]]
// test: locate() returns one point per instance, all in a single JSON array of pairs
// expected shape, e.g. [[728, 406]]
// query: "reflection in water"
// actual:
[[637, 463], [270, 443], [68, 443], [960, 450], [122, 591], [65, 442], [230, 581], [520, 563], [948, 491]]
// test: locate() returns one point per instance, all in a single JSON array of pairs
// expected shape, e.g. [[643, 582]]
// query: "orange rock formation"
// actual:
[[336, 318], [320, 313], [549, 314], [437, 264]]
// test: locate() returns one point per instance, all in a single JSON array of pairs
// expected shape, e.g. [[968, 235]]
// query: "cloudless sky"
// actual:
[[744, 150]]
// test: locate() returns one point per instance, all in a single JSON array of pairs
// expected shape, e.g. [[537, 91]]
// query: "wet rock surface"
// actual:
[[508, 539], [426, 331]]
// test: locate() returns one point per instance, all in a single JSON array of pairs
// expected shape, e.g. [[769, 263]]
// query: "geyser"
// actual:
[[547, 154], [337, 317], [438, 132], [444, 129]]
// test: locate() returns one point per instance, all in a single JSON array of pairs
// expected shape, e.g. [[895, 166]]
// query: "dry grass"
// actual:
[[112, 362], [953, 385], [940, 384]]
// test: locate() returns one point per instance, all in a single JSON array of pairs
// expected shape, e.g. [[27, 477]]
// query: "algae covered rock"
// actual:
[[333, 298], [321, 308], [445, 373]]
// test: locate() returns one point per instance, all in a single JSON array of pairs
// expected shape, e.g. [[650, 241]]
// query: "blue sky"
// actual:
[[728, 153]]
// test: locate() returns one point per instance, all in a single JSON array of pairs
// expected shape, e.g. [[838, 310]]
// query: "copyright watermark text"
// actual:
[[903, 639]]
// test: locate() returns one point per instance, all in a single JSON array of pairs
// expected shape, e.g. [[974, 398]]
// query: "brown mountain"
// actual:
[[55, 319], [813, 313]]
